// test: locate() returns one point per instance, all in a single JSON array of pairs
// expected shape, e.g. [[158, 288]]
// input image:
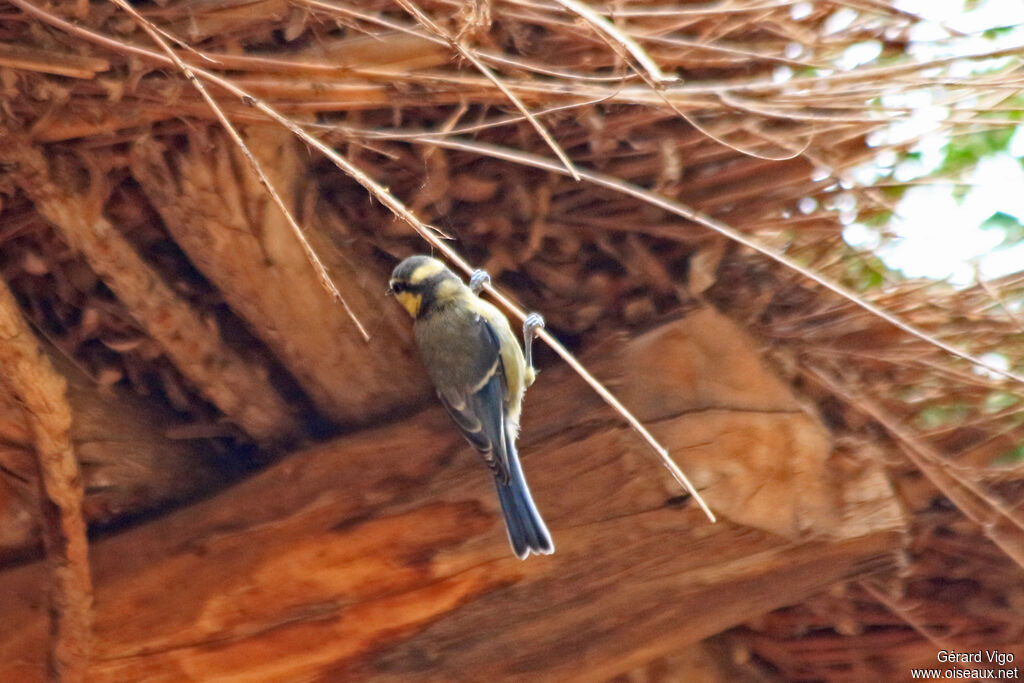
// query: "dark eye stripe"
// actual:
[[424, 286]]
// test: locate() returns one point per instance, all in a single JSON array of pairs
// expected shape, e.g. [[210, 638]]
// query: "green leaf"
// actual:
[[937, 416], [876, 219], [1013, 456], [964, 151], [1011, 227], [999, 400], [894, 191], [997, 31], [865, 271]]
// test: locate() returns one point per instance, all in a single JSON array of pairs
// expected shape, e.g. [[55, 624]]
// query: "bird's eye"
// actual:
[[398, 287]]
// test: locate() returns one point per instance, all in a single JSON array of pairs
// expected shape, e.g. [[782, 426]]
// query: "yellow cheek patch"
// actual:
[[431, 267], [410, 302]]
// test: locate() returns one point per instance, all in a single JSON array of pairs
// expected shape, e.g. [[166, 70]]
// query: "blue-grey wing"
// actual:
[[478, 408]]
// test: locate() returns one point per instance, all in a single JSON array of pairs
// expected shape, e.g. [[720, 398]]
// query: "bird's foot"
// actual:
[[478, 279], [533, 324]]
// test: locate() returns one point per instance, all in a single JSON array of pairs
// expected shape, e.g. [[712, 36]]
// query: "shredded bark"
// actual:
[[42, 392], [241, 390], [730, 111]]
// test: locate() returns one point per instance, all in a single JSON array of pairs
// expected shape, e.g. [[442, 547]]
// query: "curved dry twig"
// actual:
[[314, 260], [173, 60], [609, 30], [679, 209], [395, 206], [1002, 524], [430, 25]]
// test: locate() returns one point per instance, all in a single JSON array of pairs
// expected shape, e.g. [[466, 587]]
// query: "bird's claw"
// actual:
[[478, 279], [532, 323]]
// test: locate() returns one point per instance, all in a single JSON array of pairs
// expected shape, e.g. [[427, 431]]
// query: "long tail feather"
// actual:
[[526, 530]]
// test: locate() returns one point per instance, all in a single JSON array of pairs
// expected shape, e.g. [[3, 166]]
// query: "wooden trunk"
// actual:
[[382, 554], [129, 465]]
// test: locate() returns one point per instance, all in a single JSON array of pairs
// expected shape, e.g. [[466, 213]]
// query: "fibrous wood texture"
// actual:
[[749, 116], [382, 553], [130, 459], [237, 386], [213, 205], [42, 393], [709, 661]]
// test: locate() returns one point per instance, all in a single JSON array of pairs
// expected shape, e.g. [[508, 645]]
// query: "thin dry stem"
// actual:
[[50, 62], [602, 261], [240, 388], [399, 209], [491, 76], [311, 255], [679, 209], [904, 613], [603, 25], [1002, 524]]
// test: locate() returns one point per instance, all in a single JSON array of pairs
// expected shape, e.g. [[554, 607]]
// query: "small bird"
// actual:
[[480, 374]]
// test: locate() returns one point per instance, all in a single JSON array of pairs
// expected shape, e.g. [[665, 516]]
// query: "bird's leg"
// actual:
[[533, 323], [477, 280]]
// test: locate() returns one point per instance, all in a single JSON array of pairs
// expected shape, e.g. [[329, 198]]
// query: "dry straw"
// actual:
[[611, 165]]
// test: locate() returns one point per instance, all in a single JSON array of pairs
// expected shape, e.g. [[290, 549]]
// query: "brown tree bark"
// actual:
[[128, 463], [213, 204], [42, 394], [236, 385], [381, 554]]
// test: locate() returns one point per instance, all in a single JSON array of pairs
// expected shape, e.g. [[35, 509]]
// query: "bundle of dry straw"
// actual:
[[611, 164]]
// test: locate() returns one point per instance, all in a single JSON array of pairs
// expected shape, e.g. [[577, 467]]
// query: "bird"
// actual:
[[480, 373]]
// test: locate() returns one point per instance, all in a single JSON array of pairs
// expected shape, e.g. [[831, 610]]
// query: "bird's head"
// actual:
[[421, 280]]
